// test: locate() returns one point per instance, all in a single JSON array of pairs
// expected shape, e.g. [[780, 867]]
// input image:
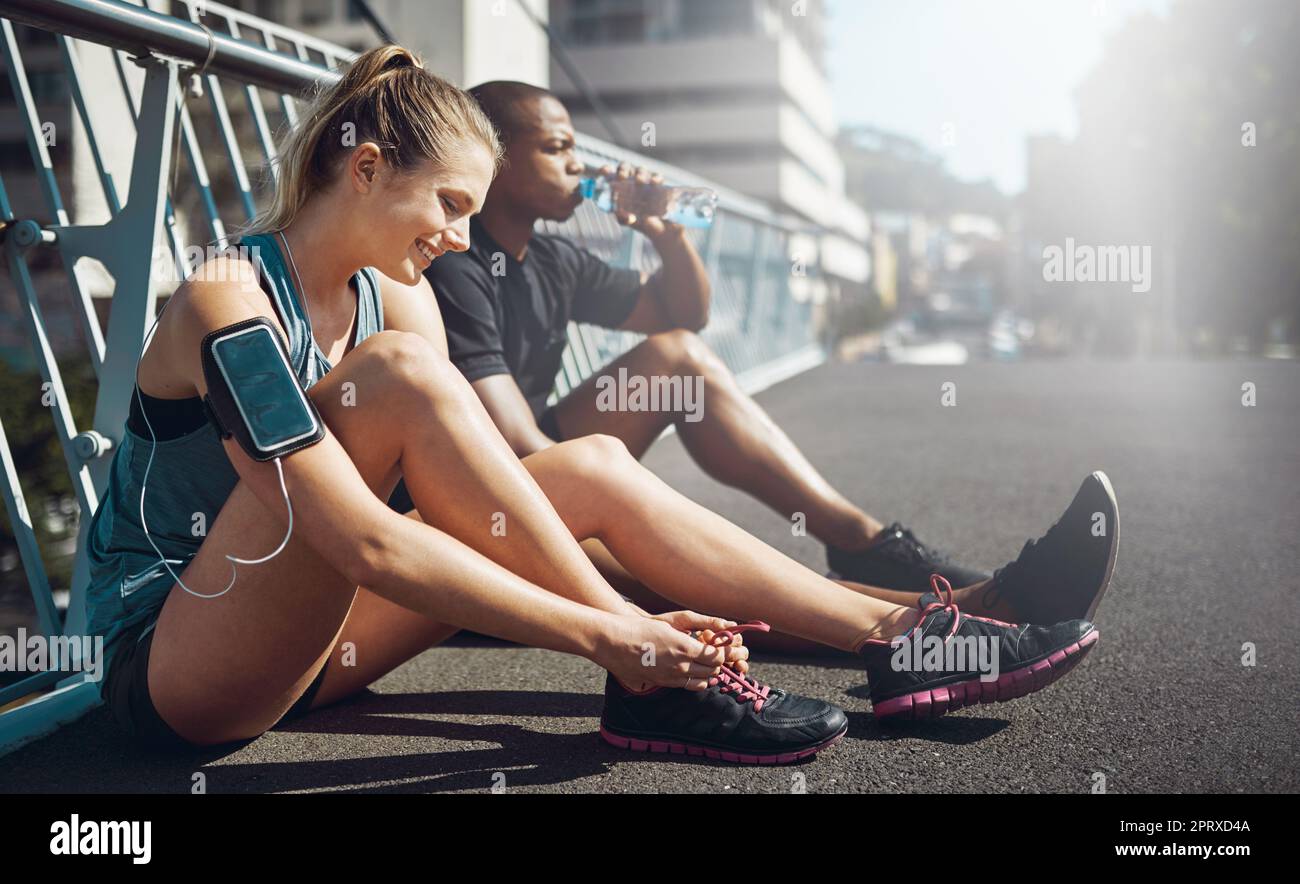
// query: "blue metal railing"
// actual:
[[756, 326]]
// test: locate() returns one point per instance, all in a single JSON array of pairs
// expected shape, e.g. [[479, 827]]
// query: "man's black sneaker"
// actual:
[[1064, 574], [734, 719], [897, 560], [950, 660]]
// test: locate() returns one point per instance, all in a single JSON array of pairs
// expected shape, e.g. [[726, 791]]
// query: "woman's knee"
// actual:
[[395, 364]]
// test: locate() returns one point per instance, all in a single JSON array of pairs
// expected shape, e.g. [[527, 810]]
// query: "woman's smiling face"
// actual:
[[409, 218]]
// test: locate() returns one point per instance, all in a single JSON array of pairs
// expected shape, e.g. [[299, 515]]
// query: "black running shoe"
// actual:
[[897, 560], [734, 719], [948, 660], [1064, 574]]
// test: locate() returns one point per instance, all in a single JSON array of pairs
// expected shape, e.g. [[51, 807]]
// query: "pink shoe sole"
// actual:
[[927, 704], [636, 745]]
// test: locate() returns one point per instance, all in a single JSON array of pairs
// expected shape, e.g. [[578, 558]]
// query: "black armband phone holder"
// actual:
[[254, 394]]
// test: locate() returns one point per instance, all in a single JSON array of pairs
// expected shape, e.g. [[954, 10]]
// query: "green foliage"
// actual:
[[38, 456]]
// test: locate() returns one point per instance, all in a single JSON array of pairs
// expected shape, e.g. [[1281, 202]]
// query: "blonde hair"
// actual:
[[388, 98]]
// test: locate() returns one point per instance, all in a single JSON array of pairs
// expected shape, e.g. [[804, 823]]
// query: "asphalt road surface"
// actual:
[[1208, 499]]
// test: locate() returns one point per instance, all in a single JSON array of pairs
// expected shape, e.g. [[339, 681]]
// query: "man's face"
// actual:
[[542, 175]]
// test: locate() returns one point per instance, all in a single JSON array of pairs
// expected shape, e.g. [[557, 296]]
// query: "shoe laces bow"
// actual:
[[944, 602], [742, 688]]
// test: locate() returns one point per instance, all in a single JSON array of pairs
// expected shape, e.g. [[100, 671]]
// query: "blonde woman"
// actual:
[[335, 265]]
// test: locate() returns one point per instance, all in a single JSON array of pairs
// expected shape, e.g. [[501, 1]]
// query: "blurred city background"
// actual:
[[933, 154]]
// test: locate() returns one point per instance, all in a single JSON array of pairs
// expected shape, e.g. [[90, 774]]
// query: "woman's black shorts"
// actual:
[[126, 693]]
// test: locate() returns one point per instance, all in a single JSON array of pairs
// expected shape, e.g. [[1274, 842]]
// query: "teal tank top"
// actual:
[[190, 477]]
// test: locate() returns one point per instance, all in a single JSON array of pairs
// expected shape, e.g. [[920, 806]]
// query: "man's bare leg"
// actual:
[[735, 441]]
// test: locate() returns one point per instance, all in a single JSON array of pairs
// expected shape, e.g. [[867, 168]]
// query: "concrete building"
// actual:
[[733, 90], [944, 240], [466, 41]]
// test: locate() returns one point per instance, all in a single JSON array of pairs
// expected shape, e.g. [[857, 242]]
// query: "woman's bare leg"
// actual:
[[229, 667], [969, 599], [644, 597], [376, 638], [380, 636], [684, 552]]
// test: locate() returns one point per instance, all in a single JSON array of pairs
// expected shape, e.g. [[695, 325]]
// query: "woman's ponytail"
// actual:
[[387, 97]]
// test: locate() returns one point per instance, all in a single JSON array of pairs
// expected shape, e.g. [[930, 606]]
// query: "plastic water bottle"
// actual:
[[687, 206]]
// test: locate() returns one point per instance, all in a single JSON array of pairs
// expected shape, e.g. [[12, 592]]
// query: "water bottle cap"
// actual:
[[587, 188]]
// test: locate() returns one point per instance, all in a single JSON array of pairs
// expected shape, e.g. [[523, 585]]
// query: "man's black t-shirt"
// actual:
[[513, 321]]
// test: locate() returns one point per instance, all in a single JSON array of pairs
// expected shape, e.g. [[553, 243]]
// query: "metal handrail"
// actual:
[[331, 52], [141, 31]]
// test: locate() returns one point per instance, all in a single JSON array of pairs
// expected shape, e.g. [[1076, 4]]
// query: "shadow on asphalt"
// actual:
[[962, 731], [526, 756]]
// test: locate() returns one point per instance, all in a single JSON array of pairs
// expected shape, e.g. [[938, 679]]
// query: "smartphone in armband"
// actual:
[[254, 394]]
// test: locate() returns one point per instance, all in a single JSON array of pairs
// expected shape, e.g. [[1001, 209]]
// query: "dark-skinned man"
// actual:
[[507, 303]]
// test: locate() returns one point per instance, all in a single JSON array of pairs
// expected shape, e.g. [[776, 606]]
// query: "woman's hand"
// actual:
[[652, 651], [706, 628]]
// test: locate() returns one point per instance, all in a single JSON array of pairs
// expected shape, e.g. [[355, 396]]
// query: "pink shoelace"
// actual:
[[743, 689], [943, 589]]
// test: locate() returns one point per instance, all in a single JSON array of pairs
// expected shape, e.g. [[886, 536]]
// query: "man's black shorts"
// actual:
[[126, 693], [548, 425]]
